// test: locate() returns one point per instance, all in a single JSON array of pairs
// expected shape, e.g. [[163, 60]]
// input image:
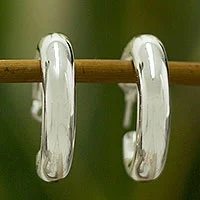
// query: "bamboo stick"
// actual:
[[96, 71]]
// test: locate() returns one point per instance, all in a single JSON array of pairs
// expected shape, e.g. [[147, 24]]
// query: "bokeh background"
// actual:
[[98, 29]]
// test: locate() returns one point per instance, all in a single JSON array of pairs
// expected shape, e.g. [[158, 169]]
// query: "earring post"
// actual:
[[97, 71]]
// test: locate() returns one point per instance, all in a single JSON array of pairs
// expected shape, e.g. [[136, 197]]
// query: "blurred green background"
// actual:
[[98, 29]]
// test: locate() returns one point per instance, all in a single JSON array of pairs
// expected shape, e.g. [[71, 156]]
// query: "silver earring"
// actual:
[[145, 150], [55, 97]]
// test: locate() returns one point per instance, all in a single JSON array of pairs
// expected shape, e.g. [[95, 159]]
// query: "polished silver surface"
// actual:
[[145, 150], [56, 97]]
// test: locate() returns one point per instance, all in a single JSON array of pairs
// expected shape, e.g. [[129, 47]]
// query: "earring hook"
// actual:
[[130, 95]]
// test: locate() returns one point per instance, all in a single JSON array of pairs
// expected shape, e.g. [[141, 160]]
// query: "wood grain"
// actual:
[[96, 71]]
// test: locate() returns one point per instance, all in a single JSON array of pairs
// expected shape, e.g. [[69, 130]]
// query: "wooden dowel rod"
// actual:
[[96, 71]]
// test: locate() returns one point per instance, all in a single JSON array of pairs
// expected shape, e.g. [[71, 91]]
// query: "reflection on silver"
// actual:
[[56, 97], [145, 150]]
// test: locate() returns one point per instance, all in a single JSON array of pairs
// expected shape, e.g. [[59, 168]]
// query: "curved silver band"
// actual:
[[56, 96], [145, 150]]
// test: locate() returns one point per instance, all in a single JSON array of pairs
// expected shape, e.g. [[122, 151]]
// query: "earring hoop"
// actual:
[[56, 97], [145, 150]]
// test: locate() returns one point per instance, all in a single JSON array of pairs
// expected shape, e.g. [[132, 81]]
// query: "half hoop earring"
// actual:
[[145, 150], [56, 97]]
